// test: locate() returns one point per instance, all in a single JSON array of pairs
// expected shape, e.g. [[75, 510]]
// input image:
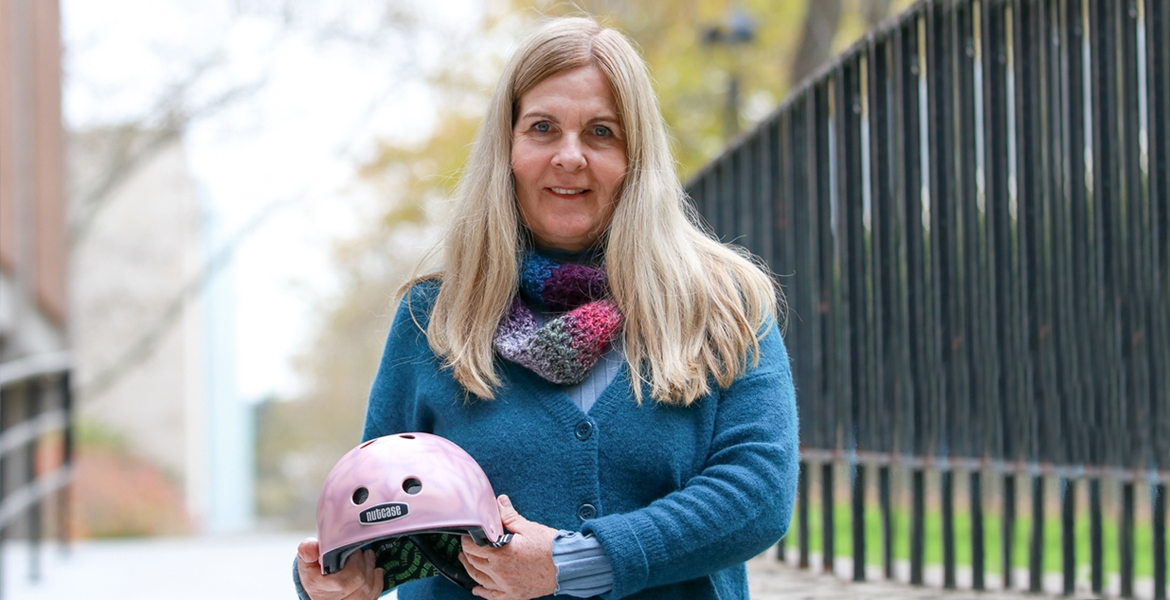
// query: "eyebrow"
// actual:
[[548, 117]]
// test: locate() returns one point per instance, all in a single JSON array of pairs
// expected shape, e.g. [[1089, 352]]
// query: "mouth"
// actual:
[[567, 191]]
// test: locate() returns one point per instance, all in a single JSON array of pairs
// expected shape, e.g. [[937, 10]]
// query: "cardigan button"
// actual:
[[584, 430], [586, 511]]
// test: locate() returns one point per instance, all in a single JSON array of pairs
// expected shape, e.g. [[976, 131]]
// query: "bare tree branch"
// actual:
[[138, 141], [146, 343]]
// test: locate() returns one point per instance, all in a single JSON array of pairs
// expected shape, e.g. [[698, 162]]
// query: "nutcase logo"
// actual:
[[383, 513]]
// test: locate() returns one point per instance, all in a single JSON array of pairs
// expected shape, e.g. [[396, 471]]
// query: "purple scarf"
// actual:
[[564, 349]]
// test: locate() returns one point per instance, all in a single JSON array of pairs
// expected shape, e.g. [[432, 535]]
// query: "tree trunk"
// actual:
[[874, 11], [816, 39]]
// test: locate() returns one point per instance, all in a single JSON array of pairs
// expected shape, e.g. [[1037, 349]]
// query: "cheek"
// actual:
[[526, 165]]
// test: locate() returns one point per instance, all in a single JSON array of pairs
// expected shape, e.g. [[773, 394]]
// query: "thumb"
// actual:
[[309, 551], [508, 514]]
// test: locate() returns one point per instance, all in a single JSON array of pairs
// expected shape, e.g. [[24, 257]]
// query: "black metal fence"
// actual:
[[970, 213], [36, 451]]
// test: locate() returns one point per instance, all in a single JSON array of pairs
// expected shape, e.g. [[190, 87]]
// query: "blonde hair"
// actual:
[[693, 307]]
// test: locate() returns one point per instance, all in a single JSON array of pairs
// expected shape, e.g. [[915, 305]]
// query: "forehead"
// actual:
[[584, 88]]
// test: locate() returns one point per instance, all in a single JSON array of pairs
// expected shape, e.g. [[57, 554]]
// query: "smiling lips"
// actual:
[[567, 191]]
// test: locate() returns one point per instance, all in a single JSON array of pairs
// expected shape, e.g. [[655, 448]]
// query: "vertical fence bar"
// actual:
[[1008, 533], [1157, 22], [909, 86], [5, 395], [1064, 444], [850, 151], [1095, 339], [887, 523], [978, 567], [917, 526], [1106, 202], [1157, 71], [803, 524], [33, 402], [859, 523], [997, 95], [947, 491], [827, 529], [726, 211], [889, 322], [1125, 539], [820, 124], [1133, 122], [1036, 547], [1068, 515], [760, 173], [1096, 539], [64, 497], [1159, 501]]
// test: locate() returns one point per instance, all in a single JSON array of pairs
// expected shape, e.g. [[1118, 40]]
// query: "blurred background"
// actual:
[[207, 208]]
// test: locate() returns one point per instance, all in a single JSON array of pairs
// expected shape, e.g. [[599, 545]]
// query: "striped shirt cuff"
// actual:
[[583, 567]]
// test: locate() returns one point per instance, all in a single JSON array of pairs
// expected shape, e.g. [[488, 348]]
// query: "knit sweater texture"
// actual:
[[680, 497]]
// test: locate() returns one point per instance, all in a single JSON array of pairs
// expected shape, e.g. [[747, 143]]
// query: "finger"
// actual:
[[469, 547], [309, 550], [479, 575], [483, 592], [508, 514], [374, 579]]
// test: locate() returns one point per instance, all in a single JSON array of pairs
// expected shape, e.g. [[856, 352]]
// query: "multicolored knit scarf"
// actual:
[[564, 349]]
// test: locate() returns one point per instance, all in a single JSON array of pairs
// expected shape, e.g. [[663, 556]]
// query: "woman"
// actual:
[[617, 372]]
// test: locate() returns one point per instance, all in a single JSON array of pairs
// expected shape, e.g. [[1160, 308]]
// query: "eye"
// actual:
[[542, 126], [601, 131]]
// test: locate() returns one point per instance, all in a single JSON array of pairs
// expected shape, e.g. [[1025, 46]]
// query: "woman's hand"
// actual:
[[359, 580], [521, 570]]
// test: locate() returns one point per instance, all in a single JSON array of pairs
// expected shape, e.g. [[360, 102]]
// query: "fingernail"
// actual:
[[505, 500]]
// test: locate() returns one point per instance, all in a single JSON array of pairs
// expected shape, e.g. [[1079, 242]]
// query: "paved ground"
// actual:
[[257, 566], [772, 580]]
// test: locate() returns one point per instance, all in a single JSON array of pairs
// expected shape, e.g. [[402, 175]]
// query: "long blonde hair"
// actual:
[[693, 307]]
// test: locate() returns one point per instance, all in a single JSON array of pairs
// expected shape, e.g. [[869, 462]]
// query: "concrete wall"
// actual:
[[137, 255]]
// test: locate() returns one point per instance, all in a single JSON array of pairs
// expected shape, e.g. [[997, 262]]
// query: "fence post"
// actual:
[[858, 522], [3, 488], [1159, 541], [802, 499], [1096, 538], [65, 494], [33, 515], [1068, 515]]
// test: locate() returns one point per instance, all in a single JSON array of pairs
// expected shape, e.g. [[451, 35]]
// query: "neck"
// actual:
[[592, 256]]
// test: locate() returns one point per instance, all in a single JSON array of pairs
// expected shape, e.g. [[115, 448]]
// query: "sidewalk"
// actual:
[[258, 565], [229, 567]]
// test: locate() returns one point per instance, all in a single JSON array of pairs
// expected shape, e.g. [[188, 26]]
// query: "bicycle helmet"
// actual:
[[407, 497]]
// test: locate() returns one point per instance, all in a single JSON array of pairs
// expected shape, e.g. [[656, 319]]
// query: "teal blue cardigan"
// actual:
[[679, 497]]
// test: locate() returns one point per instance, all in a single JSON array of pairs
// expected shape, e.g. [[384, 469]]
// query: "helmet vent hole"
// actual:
[[412, 486], [360, 495], [407, 436], [368, 443]]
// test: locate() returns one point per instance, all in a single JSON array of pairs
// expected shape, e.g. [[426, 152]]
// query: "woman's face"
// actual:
[[568, 158]]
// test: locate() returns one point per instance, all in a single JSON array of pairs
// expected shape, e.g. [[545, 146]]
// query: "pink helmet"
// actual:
[[393, 493]]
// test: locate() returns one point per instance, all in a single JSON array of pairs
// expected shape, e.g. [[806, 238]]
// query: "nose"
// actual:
[[570, 155]]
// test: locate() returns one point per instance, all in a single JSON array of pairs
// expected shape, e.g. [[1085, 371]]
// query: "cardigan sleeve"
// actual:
[[740, 502]]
